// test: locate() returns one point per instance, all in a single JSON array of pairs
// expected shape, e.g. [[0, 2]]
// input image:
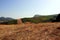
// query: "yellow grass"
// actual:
[[30, 31]]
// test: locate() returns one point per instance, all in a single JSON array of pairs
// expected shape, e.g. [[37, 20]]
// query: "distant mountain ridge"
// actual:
[[5, 18]]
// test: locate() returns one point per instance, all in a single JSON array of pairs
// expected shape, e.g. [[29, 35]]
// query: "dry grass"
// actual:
[[30, 31]]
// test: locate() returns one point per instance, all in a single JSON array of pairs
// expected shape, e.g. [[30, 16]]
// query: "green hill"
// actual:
[[41, 18]]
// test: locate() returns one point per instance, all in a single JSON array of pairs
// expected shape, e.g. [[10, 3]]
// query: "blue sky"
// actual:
[[28, 8]]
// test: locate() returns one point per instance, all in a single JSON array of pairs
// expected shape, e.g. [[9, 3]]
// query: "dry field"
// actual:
[[30, 31]]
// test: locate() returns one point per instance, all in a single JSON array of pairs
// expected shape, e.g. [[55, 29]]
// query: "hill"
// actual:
[[40, 18], [34, 19], [7, 20]]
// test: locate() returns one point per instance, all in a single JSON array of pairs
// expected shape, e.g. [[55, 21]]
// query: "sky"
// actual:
[[28, 8]]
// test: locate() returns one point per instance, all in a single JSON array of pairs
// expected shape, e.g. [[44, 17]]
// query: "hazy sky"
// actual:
[[28, 8]]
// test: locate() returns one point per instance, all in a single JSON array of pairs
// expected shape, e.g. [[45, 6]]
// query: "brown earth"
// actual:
[[30, 31], [19, 21]]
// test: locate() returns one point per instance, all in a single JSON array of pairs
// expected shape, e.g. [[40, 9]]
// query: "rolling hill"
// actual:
[[40, 18], [34, 19], [7, 20]]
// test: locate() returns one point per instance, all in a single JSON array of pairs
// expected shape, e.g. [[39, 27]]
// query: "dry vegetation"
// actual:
[[30, 31]]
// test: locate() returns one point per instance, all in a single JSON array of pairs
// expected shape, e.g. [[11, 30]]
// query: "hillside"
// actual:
[[40, 18], [7, 20]]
